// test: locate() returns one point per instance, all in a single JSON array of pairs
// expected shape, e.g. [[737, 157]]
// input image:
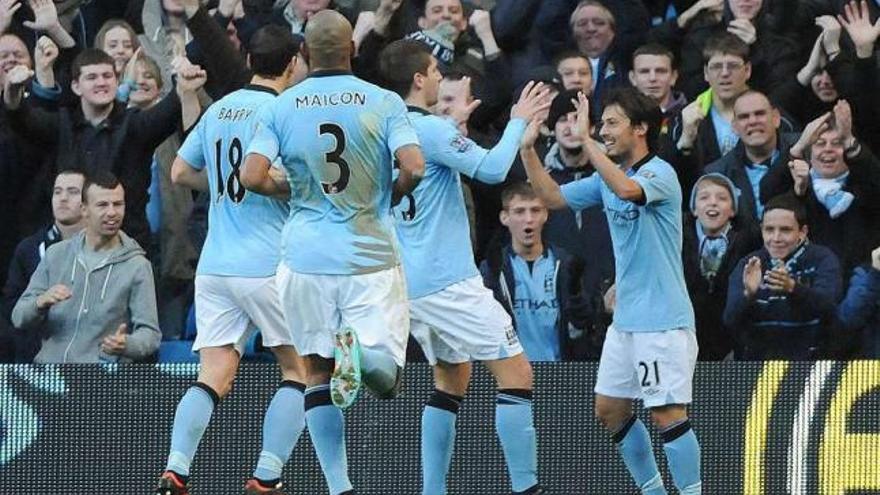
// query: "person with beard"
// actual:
[[653, 332], [781, 299], [714, 240], [585, 231], [93, 293]]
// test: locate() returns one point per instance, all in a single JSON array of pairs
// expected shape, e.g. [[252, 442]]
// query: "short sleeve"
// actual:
[[192, 151], [399, 129], [265, 141], [583, 193], [658, 181]]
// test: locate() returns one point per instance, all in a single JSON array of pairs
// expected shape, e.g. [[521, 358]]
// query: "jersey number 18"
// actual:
[[232, 185]]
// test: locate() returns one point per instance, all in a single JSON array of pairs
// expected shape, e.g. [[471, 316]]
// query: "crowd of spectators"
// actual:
[[770, 120]]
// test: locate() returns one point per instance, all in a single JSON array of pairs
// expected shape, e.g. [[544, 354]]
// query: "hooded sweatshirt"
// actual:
[[114, 290]]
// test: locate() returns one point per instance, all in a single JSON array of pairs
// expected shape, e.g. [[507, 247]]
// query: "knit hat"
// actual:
[[561, 106], [731, 188]]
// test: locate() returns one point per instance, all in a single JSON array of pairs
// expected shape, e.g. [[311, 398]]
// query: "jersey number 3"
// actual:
[[335, 157], [232, 185]]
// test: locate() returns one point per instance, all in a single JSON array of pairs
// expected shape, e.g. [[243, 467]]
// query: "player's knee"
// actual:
[[666, 416], [385, 387], [610, 414]]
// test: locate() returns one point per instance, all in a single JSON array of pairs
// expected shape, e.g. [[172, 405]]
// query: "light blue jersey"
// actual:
[[244, 228], [536, 307], [432, 222], [647, 239], [336, 136]]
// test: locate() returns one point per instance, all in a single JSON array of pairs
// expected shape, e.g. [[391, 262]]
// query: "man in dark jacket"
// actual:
[[781, 299], [859, 312], [539, 284], [67, 213], [714, 240], [99, 134], [760, 150]]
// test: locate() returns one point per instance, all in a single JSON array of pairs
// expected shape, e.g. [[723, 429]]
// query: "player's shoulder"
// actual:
[[656, 166]]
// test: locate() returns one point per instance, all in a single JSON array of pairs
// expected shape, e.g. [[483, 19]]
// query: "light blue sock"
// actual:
[[683, 456], [513, 423], [190, 421], [327, 430], [634, 443], [282, 426], [438, 440]]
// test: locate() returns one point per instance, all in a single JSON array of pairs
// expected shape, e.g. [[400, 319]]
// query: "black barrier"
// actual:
[[764, 428]]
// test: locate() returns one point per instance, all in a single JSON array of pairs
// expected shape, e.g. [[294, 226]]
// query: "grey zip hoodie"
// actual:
[[120, 289]]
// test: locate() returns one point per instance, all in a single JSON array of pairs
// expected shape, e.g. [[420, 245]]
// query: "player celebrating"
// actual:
[[341, 284], [651, 349], [235, 280], [453, 316]]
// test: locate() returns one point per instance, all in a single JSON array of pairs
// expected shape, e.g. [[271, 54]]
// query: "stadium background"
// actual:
[[771, 428]]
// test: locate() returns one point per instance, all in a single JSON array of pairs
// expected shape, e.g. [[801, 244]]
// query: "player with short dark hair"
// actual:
[[650, 350], [235, 287]]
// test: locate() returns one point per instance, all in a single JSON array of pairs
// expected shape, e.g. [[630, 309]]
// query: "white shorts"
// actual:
[[374, 305], [230, 309], [657, 367], [462, 323]]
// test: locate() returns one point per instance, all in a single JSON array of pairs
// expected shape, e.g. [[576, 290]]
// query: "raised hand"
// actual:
[[45, 54], [857, 22], [752, 275], [533, 130], [8, 8], [744, 30], [53, 296], [811, 134], [800, 174], [481, 21], [843, 120], [45, 15], [830, 34], [532, 101]]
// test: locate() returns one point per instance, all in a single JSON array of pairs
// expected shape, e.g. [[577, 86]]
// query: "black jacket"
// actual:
[[709, 296], [27, 256], [733, 166], [123, 143], [577, 307]]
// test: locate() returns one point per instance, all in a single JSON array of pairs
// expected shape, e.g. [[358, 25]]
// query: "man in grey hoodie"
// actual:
[[94, 293]]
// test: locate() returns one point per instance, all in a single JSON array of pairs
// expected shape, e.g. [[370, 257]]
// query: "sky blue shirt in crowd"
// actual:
[[536, 308], [432, 222], [244, 228], [724, 133], [647, 239], [336, 136]]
